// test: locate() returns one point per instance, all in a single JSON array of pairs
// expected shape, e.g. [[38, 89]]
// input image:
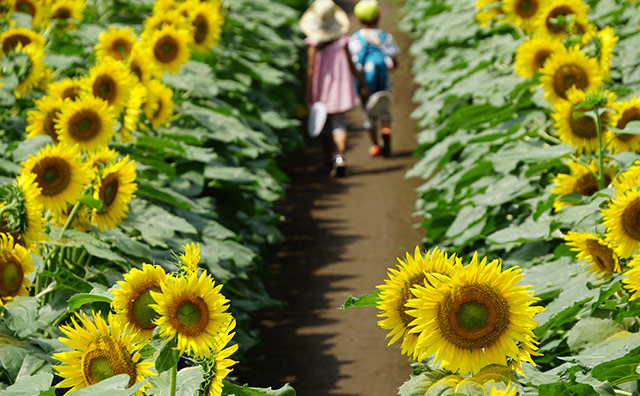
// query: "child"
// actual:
[[330, 73], [374, 52]]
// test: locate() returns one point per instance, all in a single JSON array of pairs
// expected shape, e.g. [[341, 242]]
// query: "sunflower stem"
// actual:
[[622, 393], [600, 150], [174, 374], [72, 215]]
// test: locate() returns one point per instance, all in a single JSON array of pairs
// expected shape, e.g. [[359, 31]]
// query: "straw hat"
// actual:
[[324, 21]]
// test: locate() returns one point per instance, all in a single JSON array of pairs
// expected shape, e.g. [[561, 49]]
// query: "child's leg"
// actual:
[[339, 135], [385, 121]]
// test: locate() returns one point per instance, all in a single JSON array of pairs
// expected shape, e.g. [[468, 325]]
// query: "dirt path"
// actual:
[[341, 235]]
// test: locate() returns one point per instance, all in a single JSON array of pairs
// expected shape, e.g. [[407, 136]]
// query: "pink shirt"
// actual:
[[332, 81]]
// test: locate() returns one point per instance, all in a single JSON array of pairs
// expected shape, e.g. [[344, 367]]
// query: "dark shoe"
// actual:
[[386, 142], [339, 168]]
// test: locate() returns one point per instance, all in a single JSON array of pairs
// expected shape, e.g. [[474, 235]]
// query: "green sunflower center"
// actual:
[[105, 87], [10, 42], [631, 219], [121, 49], [53, 175], [11, 276], [554, 14], [526, 8], [140, 312], [84, 125], [602, 256], [166, 49], [473, 316], [25, 6], [567, 76], [190, 316], [106, 357]]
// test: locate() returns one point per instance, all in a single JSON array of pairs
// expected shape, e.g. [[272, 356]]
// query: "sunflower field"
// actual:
[[139, 147], [530, 121]]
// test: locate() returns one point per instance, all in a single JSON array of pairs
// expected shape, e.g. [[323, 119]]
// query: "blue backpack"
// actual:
[[371, 63]]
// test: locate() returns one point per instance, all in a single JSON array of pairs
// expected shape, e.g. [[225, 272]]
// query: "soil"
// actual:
[[340, 237]]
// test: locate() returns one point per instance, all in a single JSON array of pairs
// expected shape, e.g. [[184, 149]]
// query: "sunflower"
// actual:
[[115, 188], [43, 120], [66, 11], [15, 265], [599, 255], [221, 362], [45, 79], [475, 317], [552, 19], [132, 112], [581, 132], [164, 6], [87, 122], [28, 226], [60, 175], [170, 18], [579, 181], [32, 78], [170, 47], [488, 10], [628, 179], [101, 158], [37, 9], [100, 351], [621, 220], [139, 65], [523, 12], [631, 280], [532, 54], [191, 309], [116, 43], [132, 300], [191, 257], [111, 80], [397, 291], [569, 68], [628, 111], [69, 88], [19, 35], [80, 222], [600, 44], [159, 105], [207, 26], [6, 7]]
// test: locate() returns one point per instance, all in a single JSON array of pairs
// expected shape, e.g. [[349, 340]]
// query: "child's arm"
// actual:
[[364, 91], [311, 60]]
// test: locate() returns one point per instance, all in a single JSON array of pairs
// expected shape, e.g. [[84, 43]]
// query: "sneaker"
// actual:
[[374, 150], [339, 168], [386, 139]]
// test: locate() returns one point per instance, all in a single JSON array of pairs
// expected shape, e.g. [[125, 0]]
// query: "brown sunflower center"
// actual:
[[139, 311], [189, 316], [72, 93], [166, 49], [11, 42], [555, 13], [405, 295], [541, 57], [120, 49], [567, 76], [11, 276], [53, 175], [49, 124], [630, 220], [25, 6], [105, 87], [473, 316], [201, 28], [84, 125], [136, 70], [159, 107], [587, 184], [602, 255], [109, 189], [631, 114], [526, 8], [585, 126], [105, 358], [62, 13]]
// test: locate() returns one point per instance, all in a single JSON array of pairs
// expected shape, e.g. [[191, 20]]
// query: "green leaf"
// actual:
[[91, 202], [168, 357], [565, 389], [114, 386], [30, 385], [22, 315], [244, 390], [365, 300], [632, 128], [619, 370], [80, 299]]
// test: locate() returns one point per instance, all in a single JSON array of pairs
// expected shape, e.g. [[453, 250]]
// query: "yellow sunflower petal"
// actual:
[[598, 254], [15, 265], [115, 188]]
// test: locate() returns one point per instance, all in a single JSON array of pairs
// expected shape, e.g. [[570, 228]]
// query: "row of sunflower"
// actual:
[[95, 113], [495, 153]]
